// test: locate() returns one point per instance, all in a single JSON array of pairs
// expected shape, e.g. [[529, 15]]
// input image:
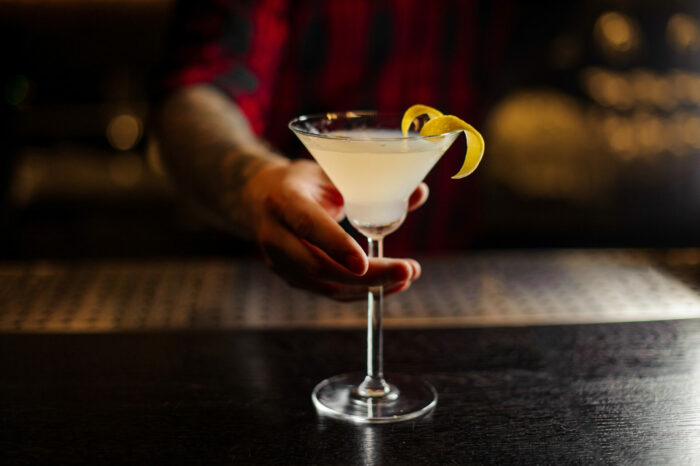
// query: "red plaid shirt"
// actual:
[[278, 59]]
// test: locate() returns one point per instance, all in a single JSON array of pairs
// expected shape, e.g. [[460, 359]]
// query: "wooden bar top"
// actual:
[[615, 393]]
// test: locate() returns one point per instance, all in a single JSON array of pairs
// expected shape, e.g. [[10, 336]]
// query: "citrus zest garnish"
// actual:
[[475, 142], [441, 124], [414, 112]]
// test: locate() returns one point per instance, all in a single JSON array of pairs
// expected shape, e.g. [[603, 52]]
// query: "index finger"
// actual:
[[310, 222]]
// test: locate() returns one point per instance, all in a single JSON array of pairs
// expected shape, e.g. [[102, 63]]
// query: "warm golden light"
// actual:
[[649, 132], [619, 135], [694, 89], [643, 82], [642, 88], [542, 146], [663, 94], [690, 131], [682, 84], [683, 33], [124, 131], [609, 89], [153, 157], [622, 139], [674, 137], [616, 33]]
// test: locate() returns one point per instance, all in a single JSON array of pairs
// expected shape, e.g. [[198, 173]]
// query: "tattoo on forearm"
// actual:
[[211, 152]]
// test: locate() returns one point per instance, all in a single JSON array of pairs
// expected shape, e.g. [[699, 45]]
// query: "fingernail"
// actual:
[[418, 270], [355, 263]]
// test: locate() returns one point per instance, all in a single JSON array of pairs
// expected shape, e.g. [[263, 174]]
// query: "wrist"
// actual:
[[257, 188]]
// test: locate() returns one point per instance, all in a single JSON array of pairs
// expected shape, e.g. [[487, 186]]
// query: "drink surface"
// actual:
[[376, 171]]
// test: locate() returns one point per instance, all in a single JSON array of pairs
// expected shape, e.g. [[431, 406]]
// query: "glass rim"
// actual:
[[357, 113]]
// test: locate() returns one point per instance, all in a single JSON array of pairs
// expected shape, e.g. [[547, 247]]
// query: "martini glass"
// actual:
[[375, 169]]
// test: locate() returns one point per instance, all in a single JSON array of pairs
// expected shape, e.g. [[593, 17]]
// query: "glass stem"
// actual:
[[374, 385]]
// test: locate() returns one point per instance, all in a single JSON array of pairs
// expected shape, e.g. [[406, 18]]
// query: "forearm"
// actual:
[[211, 153], [290, 208]]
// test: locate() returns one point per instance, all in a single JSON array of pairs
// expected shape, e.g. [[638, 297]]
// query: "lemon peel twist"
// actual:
[[413, 112], [442, 124]]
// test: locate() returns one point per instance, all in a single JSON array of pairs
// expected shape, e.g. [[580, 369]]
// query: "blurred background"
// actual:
[[593, 131]]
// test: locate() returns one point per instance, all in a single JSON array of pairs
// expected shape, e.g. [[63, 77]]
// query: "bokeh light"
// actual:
[[541, 145], [609, 89], [683, 33], [643, 82], [690, 130], [124, 131], [619, 134], [617, 34], [694, 89], [649, 132], [642, 88], [154, 160], [644, 133]]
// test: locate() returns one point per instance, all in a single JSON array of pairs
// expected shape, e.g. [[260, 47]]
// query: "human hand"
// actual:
[[296, 210]]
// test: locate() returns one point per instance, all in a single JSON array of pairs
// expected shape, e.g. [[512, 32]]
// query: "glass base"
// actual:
[[409, 398]]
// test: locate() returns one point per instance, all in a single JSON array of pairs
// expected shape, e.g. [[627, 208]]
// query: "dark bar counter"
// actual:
[[585, 394], [571, 393]]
